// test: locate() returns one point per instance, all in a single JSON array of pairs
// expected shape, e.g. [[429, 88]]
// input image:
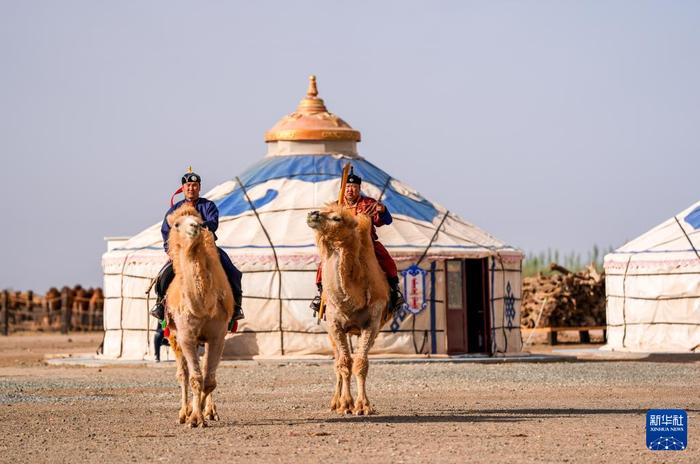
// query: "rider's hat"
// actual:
[[190, 176], [353, 178]]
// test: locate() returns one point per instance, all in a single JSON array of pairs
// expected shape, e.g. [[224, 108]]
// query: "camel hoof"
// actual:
[[363, 410], [196, 421], [212, 416], [182, 416], [344, 409], [344, 406]]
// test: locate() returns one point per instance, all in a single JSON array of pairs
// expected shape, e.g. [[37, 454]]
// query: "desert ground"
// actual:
[[276, 411]]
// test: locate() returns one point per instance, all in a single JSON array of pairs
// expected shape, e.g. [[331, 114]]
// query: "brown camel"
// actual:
[[200, 304], [356, 294]]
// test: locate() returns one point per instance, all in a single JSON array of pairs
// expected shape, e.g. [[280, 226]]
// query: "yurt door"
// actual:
[[467, 306]]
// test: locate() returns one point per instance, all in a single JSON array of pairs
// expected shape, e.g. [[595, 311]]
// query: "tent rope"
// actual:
[[274, 253], [503, 321], [413, 337], [624, 302], [686, 236], [432, 240], [537, 321], [386, 184], [121, 303]]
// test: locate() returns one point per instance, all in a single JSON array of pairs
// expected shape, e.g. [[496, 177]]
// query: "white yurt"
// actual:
[[463, 286], [653, 288]]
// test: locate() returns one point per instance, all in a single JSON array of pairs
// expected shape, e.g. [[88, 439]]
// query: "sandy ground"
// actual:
[[276, 411]]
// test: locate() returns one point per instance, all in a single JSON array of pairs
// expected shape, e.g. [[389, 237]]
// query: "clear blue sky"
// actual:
[[550, 124]]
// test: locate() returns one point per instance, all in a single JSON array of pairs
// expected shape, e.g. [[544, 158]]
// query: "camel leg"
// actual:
[[343, 366], [183, 379], [212, 357], [360, 366], [335, 402], [210, 411], [189, 350]]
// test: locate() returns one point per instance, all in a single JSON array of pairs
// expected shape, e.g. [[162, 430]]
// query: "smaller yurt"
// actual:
[[653, 288], [462, 285]]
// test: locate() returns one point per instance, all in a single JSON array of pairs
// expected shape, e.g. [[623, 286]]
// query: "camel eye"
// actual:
[[177, 225], [336, 218]]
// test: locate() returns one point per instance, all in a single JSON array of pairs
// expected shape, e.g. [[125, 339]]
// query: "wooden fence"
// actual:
[[71, 309]]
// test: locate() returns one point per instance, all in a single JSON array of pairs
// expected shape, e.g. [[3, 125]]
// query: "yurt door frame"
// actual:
[[467, 306]]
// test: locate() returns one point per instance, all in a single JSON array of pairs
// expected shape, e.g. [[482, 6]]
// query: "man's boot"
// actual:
[[237, 312], [397, 300], [158, 311], [315, 304], [165, 276], [237, 315]]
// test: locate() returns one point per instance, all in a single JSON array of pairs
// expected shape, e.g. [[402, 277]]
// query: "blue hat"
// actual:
[[190, 176], [354, 179]]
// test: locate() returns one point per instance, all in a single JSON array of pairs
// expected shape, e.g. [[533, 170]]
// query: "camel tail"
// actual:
[[172, 339], [387, 315]]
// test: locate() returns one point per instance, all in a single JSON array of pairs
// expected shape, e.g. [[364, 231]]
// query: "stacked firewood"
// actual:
[[564, 298]]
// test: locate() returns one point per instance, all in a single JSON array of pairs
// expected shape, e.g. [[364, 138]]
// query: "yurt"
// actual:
[[461, 284], [653, 288]]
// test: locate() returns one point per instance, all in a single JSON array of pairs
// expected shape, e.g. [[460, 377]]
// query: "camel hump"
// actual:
[[364, 230], [364, 223]]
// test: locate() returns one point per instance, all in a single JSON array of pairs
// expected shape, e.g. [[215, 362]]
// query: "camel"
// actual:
[[200, 304], [356, 294]]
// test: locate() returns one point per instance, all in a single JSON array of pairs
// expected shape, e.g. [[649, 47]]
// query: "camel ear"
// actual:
[[170, 219]]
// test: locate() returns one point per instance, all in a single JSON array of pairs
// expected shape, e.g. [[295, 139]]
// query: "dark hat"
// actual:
[[190, 176], [354, 179]]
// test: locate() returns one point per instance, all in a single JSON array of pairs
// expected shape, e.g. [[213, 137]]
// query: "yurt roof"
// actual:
[[278, 192], [675, 240]]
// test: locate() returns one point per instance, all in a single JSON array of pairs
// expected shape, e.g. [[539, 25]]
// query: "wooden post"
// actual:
[[45, 317], [4, 303], [91, 315], [30, 309], [584, 336], [66, 313], [552, 337]]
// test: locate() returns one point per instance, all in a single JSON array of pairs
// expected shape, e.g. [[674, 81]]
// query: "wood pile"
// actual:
[[565, 299]]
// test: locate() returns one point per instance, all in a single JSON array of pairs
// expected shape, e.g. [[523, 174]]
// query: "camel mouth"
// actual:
[[193, 230], [313, 219]]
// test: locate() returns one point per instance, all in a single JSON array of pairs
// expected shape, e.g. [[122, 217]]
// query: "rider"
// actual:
[[191, 185], [360, 204]]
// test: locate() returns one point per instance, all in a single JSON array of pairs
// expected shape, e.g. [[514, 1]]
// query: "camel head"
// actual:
[[186, 227], [333, 223]]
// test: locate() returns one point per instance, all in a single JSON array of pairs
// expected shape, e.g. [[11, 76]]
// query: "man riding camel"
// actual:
[[191, 186], [360, 204]]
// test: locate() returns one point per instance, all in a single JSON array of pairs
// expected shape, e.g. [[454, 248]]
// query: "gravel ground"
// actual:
[[276, 411]]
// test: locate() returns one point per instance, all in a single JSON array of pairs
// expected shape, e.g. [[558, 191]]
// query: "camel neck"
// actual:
[[192, 267]]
